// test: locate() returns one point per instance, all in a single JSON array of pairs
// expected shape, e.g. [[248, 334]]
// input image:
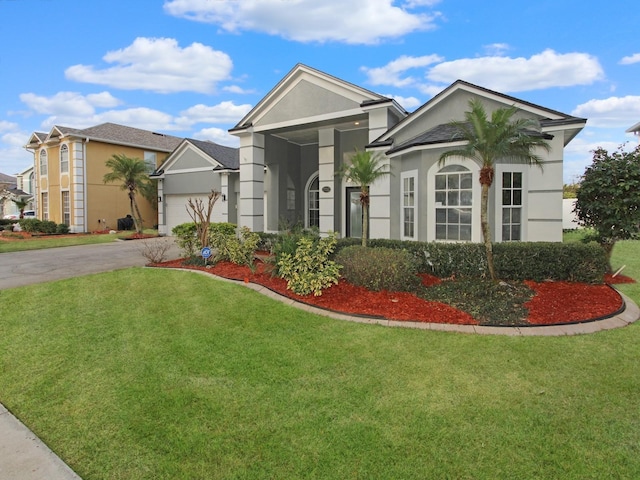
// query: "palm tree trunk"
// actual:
[[364, 199], [135, 212], [486, 231]]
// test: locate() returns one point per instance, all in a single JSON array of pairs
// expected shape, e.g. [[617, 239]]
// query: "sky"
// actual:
[[194, 68]]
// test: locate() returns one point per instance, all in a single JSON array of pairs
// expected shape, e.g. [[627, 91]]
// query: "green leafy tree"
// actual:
[[608, 199], [20, 205], [501, 137], [133, 176], [364, 169]]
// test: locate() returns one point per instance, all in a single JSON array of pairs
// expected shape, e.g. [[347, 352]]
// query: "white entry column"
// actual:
[[251, 206], [326, 178]]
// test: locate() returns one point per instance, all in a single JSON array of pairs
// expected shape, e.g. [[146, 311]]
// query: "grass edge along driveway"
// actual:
[[146, 373]]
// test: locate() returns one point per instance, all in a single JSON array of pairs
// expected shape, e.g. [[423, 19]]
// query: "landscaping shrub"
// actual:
[[223, 227], [286, 242], [539, 261], [576, 262], [378, 268], [48, 226], [186, 238], [30, 225], [237, 250], [309, 269], [62, 228]]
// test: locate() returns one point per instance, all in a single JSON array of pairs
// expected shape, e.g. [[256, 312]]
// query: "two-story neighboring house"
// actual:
[[69, 166]]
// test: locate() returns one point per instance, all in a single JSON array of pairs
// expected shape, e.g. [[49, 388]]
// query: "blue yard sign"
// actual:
[[206, 252]]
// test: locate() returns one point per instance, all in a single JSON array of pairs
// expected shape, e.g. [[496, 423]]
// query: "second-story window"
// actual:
[[64, 159], [43, 162]]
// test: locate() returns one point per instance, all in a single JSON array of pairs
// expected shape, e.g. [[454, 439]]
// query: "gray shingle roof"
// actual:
[[229, 157], [114, 133], [7, 179]]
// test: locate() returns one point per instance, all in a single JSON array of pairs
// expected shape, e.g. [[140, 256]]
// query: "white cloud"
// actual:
[[238, 90], [635, 58], [364, 22], [408, 103], [159, 65], [622, 112], [505, 74], [6, 126], [393, 72], [430, 90], [68, 103], [496, 49], [217, 135], [224, 112]]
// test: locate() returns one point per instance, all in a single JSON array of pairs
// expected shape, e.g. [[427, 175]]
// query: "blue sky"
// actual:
[[193, 68]]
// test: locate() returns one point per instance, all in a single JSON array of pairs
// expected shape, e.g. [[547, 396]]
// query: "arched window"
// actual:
[[43, 162], [454, 199], [313, 203], [64, 159]]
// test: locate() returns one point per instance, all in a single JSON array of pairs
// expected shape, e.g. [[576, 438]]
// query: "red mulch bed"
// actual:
[[554, 302]]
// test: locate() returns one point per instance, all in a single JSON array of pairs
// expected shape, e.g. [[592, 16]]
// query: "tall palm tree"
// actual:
[[364, 169], [134, 177], [502, 137]]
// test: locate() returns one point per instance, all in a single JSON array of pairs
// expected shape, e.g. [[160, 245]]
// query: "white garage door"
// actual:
[[176, 210]]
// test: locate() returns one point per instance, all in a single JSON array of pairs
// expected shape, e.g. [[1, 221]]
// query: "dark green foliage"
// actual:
[[195, 261], [30, 225], [378, 268], [608, 199], [47, 226], [286, 243], [539, 261], [62, 228], [489, 302], [186, 238], [514, 260]]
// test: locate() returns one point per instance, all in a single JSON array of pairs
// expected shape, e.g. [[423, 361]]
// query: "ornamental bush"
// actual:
[[309, 269], [379, 268], [236, 250], [187, 238]]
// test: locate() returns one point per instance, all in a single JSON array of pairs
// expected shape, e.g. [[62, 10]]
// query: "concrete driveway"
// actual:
[[37, 266]]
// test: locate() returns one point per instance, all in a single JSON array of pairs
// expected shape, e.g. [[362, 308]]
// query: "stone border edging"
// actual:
[[627, 315]]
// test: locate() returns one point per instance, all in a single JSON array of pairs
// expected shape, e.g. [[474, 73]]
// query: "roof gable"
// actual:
[[194, 154], [307, 93]]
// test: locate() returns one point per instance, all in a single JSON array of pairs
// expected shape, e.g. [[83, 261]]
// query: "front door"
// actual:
[[354, 213]]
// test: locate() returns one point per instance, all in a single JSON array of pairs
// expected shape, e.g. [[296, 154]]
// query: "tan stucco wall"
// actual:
[[105, 203]]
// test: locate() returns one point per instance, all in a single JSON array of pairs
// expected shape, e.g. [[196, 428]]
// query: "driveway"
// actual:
[[37, 266]]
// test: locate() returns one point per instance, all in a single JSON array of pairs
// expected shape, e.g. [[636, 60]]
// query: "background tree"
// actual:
[[201, 215], [500, 138], [364, 169], [608, 199], [133, 176]]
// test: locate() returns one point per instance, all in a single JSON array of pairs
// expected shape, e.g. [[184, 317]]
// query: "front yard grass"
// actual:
[[146, 373], [54, 241]]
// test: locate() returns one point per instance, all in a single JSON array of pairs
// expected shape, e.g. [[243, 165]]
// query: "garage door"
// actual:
[[176, 210]]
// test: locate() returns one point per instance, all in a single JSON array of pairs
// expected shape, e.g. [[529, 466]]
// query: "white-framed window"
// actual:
[[66, 208], [512, 206], [150, 161], [313, 202], [43, 162], [64, 159], [44, 204], [453, 202], [409, 214]]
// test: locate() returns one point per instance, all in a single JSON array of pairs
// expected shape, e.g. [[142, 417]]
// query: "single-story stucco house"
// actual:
[[296, 138], [192, 170]]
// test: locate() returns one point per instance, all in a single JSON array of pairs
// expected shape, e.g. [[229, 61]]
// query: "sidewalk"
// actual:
[[23, 456]]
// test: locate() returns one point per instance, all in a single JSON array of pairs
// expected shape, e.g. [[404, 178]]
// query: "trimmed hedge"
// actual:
[[536, 261], [378, 268]]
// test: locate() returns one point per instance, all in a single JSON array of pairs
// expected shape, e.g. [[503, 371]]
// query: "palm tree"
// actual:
[[365, 168], [500, 138], [20, 205], [134, 177]]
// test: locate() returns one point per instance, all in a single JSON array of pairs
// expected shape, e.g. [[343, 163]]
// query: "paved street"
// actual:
[[37, 266]]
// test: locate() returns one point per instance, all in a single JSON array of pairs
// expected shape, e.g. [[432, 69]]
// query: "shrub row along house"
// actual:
[[294, 142]]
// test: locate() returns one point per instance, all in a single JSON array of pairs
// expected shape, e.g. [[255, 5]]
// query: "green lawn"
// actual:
[[53, 241], [162, 374]]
